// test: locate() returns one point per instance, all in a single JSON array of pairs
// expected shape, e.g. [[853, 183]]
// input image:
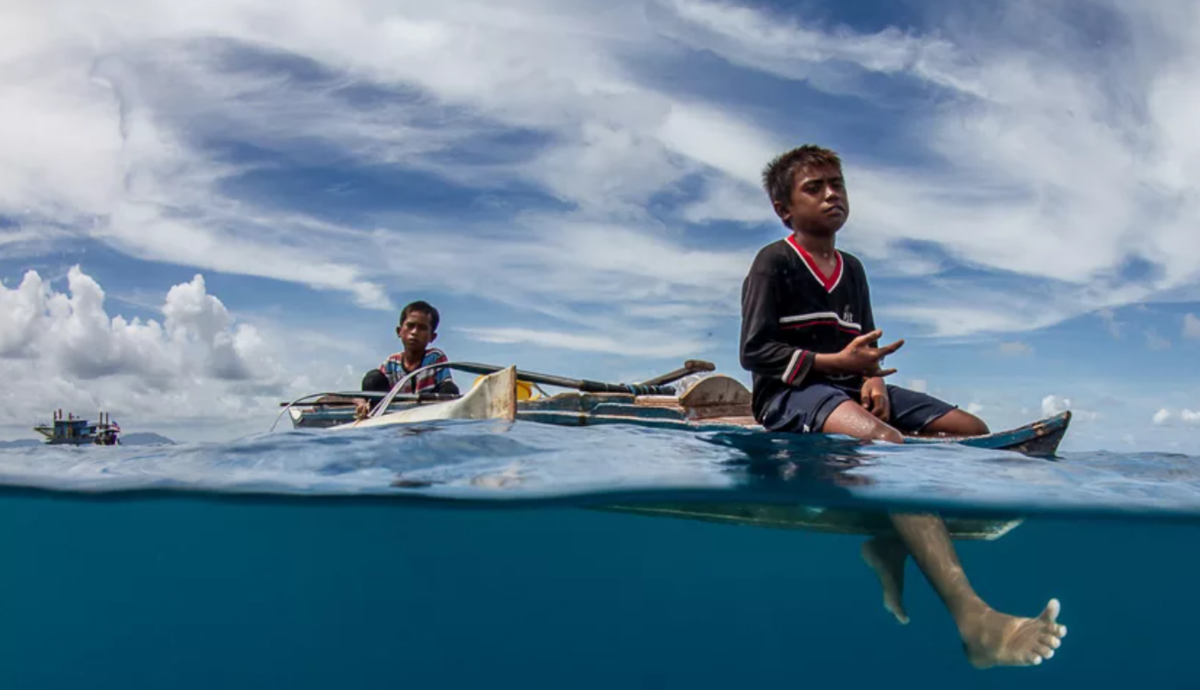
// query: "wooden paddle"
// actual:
[[651, 387], [374, 395], [690, 367], [582, 385]]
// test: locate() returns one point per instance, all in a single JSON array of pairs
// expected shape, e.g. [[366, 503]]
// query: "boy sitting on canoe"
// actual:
[[809, 339], [417, 329]]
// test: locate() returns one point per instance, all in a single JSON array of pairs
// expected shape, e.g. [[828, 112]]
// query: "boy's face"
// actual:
[[818, 203], [416, 332]]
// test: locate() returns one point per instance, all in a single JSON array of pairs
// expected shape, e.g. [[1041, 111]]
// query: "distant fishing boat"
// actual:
[[77, 431]]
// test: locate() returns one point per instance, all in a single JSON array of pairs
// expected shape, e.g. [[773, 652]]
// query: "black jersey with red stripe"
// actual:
[[791, 311]]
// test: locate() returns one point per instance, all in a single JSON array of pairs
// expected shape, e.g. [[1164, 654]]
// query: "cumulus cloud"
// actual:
[[1190, 416], [1054, 404], [1162, 417], [64, 350], [196, 338], [919, 385]]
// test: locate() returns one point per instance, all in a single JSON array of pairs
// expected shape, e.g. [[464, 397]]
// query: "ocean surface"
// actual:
[[483, 554]]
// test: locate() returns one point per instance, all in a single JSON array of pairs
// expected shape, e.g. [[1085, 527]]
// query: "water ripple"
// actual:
[[490, 462]]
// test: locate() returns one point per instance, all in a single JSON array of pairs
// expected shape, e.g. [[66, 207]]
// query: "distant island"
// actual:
[[22, 443], [145, 438]]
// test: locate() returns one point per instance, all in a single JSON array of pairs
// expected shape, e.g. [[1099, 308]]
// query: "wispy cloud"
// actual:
[[1027, 145], [584, 342], [142, 88], [1154, 341], [1015, 348], [1191, 326], [1110, 321]]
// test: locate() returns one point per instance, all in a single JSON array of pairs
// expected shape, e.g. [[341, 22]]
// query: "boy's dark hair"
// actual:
[[423, 307], [780, 174]]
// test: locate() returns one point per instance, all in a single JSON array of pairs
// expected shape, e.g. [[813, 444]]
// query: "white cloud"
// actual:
[[593, 276], [1191, 326], [1012, 126], [163, 78], [1052, 405], [1015, 348], [919, 385], [1154, 341], [975, 408], [196, 338], [107, 107], [1110, 321], [64, 350], [1190, 416], [87, 154], [1162, 417]]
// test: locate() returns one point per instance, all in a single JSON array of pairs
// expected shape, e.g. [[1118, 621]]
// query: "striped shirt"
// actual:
[[791, 311], [425, 382]]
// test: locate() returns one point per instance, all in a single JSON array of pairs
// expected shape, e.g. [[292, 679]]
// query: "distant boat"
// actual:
[[77, 431]]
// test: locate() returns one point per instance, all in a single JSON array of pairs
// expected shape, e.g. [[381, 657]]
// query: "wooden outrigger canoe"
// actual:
[[714, 403]]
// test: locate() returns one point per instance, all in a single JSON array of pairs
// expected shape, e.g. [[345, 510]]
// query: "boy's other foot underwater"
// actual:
[[886, 557]]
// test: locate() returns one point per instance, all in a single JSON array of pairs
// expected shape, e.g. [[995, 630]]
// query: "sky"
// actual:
[[209, 208]]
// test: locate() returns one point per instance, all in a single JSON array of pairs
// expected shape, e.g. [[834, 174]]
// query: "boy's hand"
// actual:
[[362, 409], [875, 398], [861, 356]]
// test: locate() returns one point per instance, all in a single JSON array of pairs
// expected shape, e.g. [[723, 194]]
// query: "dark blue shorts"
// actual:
[[804, 410]]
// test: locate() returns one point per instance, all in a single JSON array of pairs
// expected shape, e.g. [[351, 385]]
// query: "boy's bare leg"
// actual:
[[955, 423], [990, 638], [887, 556]]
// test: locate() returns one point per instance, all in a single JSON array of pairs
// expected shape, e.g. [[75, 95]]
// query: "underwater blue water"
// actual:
[[292, 561]]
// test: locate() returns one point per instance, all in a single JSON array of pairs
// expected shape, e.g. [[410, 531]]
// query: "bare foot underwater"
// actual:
[[887, 557], [990, 638]]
